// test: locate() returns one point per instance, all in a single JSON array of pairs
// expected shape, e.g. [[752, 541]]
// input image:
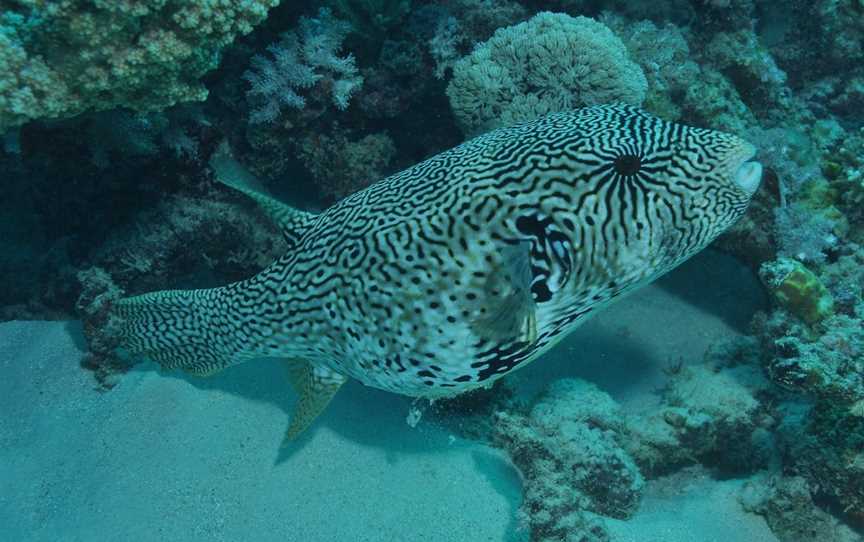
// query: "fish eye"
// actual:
[[627, 164]]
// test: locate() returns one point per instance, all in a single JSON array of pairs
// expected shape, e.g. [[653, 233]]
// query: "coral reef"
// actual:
[[826, 362], [582, 458], [804, 233], [156, 247], [98, 293], [549, 63], [707, 414], [59, 59], [105, 187], [573, 466], [130, 135], [664, 56], [818, 355], [473, 414], [787, 504], [373, 18], [341, 166], [823, 444], [462, 25]]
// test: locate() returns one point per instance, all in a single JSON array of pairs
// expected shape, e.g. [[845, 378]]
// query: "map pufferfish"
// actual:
[[449, 275]]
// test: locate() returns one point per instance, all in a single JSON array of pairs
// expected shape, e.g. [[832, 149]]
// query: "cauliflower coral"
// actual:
[[61, 58], [549, 63]]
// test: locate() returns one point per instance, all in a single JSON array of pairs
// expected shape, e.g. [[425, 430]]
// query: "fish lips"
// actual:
[[748, 176]]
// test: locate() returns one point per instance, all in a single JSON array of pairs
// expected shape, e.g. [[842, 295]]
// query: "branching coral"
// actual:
[[452, 31], [341, 166], [231, 241], [124, 135], [443, 45], [301, 60]]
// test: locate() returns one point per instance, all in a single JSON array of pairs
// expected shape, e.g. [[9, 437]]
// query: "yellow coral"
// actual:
[[798, 290]]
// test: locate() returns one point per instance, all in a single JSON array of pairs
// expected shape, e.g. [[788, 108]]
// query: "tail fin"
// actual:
[[194, 330]]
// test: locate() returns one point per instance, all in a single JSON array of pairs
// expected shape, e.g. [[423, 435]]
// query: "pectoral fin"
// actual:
[[510, 310], [315, 386]]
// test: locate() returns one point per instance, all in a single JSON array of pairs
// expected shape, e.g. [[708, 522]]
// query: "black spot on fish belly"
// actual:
[[503, 359]]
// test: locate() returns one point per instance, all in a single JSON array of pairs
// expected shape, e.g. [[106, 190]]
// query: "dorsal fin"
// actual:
[[230, 172]]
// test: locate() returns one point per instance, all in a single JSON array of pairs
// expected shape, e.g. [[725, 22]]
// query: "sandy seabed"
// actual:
[[163, 456]]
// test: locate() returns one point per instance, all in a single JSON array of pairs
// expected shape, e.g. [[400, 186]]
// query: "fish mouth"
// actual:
[[749, 173]]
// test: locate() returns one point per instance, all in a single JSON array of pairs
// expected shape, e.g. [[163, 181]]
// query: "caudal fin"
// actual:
[[193, 330], [202, 332]]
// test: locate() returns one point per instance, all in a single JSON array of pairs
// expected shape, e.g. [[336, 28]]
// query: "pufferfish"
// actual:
[[469, 265]]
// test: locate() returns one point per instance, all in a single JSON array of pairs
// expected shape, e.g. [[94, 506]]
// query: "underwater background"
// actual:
[[724, 402]]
